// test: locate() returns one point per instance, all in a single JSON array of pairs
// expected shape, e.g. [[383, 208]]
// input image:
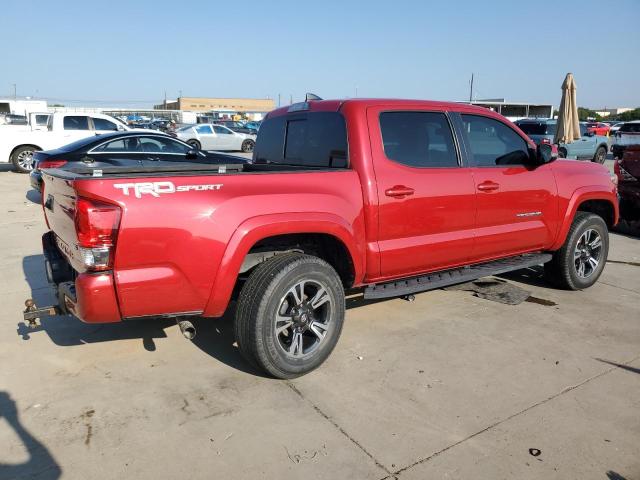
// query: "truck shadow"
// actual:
[[214, 337], [41, 463]]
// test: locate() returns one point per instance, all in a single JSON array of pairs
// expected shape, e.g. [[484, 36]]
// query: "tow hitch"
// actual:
[[32, 314]]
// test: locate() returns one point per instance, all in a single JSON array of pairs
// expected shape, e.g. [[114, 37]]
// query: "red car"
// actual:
[[390, 196], [598, 128]]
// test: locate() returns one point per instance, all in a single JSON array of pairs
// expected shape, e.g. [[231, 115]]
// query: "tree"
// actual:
[[587, 114]]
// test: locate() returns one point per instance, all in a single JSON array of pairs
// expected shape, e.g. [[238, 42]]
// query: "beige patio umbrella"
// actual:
[[568, 128]]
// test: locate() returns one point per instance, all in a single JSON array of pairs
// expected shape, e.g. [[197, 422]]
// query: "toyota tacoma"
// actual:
[[392, 197]]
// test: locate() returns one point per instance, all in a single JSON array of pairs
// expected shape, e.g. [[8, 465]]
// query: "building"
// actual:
[[605, 112], [228, 106], [22, 106], [516, 110]]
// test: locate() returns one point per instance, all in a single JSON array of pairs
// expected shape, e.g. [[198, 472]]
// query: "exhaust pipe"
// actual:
[[187, 329]]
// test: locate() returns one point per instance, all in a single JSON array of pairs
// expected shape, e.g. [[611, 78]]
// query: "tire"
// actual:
[[247, 146], [562, 152], [564, 268], [601, 155], [195, 144], [270, 299], [22, 158]]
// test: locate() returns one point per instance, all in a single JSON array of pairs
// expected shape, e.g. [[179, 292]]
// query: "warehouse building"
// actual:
[[248, 106]]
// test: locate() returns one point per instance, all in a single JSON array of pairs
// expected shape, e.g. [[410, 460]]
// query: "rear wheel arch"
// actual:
[[35, 148], [258, 239]]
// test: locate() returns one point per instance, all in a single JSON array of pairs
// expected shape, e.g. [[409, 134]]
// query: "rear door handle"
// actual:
[[398, 191], [488, 186]]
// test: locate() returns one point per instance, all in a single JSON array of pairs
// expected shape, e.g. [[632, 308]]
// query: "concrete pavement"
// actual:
[[448, 386]]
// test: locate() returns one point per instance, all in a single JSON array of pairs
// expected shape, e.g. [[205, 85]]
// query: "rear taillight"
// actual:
[[51, 164], [546, 140], [96, 228]]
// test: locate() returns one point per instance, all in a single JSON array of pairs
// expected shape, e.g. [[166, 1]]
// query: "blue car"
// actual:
[[589, 147]]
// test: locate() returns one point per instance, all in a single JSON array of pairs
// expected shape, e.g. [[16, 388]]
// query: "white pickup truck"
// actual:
[[17, 146]]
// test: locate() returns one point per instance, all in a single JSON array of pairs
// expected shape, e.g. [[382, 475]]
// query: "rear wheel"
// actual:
[[580, 261], [22, 158], [195, 144], [247, 146], [600, 155], [290, 314]]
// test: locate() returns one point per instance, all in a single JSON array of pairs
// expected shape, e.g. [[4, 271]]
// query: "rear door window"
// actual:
[[314, 139], [204, 129], [73, 122], [418, 139], [494, 144]]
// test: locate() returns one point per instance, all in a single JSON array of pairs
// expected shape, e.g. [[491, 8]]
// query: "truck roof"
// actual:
[[336, 105]]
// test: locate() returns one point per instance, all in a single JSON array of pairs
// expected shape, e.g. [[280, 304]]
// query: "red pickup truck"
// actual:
[[391, 196]]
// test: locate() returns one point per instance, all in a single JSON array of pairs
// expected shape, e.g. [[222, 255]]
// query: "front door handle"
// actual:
[[488, 186], [398, 191]]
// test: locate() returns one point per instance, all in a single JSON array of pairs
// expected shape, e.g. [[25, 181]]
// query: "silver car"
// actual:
[[216, 137]]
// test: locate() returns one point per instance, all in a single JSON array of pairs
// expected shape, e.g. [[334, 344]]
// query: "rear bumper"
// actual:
[[89, 296]]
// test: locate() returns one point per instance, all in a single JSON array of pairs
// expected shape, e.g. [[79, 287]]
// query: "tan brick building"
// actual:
[[204, 104]]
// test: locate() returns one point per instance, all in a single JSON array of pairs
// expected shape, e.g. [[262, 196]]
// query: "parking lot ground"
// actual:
[[447, 386]]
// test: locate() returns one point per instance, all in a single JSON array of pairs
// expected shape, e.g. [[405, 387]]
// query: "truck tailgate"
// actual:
[[59, 200]]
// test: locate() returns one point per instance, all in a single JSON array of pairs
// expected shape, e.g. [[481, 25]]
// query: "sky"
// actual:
[[129, 53]]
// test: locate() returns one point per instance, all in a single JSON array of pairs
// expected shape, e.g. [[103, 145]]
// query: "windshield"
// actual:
[[538, 128], [70, 147]]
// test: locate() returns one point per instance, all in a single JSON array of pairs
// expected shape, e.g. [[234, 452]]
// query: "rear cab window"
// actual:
[[311, 139]]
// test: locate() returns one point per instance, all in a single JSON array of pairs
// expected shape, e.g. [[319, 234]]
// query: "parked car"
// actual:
[[63, 128], [236, 126], [421, 195], [614, 127], [628, 171], [216, 137], [255, 126], [627, 134], [598, 128], [589, 147], [124, 149]]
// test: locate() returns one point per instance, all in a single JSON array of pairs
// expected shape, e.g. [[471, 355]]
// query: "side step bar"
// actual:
[[451, 277]]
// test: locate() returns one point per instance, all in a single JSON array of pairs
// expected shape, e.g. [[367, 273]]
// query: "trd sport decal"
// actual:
[[156, 189]]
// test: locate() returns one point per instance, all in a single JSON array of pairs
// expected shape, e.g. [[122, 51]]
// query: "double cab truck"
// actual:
[[392, 197]]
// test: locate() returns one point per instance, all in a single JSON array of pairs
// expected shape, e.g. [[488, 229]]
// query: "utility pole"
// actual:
[[290, 99], [356, 91], [165, 99], [471, 90], [278, 100], [15, 91]]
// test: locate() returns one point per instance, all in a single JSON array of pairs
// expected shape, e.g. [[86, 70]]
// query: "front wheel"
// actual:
[[600, 155], [580, 261], [22, 159], [290, 314], [247, 146]]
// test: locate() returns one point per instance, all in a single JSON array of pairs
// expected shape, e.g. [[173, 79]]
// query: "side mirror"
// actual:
[[120, 128], [546, 153], [192, 153]]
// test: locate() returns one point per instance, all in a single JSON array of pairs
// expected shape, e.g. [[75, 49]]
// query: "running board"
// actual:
[[456, 275]]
